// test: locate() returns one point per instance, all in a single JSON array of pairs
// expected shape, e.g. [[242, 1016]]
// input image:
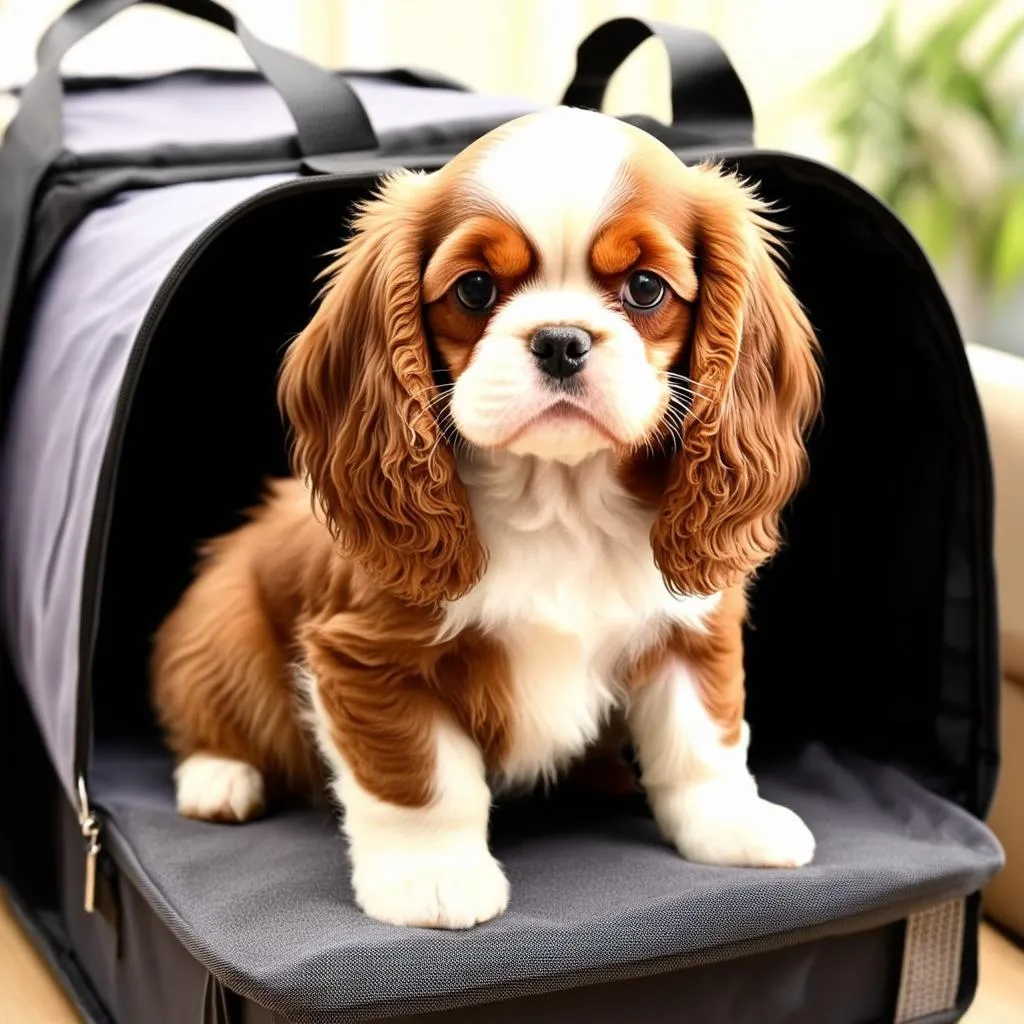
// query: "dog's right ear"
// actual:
[[356, 387]]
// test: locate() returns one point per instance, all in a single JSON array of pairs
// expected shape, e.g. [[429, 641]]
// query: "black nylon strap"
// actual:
[[328, 115], [709, 101]]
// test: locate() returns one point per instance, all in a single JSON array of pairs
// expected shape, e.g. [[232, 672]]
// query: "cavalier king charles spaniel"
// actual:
[[546, 417]]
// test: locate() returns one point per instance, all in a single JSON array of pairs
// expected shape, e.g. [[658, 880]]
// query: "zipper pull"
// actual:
[[90, 826]]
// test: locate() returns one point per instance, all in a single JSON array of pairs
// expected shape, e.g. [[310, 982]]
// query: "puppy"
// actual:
[[545, 419]]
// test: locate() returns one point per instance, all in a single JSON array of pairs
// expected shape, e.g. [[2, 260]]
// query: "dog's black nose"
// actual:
[[561, 351]]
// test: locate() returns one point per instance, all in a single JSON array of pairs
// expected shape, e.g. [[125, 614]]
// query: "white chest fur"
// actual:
[[573, 593]]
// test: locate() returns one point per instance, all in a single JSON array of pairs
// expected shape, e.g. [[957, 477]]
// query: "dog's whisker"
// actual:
[[680, 390], [662, 436], [674, 418], [684, 403], [683, 410], [427, 408], [676, 405], [432, 387], [670, 433], [430, 454], [456, 440], [679, 407], [436, 398], [430, 405], [442, 436], [682, 376], [690, 382]]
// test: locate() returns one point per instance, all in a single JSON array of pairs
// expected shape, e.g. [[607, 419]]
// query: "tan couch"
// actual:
[[1000, 380]]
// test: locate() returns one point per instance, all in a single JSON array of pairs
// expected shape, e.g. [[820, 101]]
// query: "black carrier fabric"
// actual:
[[159, 244]]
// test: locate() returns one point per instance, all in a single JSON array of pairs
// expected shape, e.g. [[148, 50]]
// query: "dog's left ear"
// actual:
[[754, 356], [357, 388]]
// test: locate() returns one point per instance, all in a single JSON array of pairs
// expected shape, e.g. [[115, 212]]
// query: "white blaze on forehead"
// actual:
[[558, 174]]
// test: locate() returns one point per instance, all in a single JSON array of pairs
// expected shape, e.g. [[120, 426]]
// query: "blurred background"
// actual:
[[922, 101]]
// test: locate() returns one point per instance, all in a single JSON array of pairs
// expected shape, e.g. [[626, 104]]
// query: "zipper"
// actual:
[[90, 825]]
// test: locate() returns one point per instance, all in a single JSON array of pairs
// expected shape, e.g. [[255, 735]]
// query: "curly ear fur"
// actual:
[[356, 386], [753, 352]]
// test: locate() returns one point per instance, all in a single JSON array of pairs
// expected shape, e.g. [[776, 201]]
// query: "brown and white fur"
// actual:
[[480, 565]]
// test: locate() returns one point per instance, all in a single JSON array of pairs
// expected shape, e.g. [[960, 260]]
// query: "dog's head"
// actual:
[[565, 286]]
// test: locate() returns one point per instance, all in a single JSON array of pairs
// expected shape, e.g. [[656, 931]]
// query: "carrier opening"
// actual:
[[850, 625]]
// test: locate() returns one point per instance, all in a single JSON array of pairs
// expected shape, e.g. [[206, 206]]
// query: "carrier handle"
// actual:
[[329, 116], [709, 102]]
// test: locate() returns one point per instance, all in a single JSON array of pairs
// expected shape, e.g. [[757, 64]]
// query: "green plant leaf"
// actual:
[[935, 57], [934, 218], [1001, 48], [1008, 249], [969, 91], [901, 117]]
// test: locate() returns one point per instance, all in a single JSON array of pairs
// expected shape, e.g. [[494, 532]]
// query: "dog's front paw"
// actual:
[[214, 788], [715, 825], [432, 891]]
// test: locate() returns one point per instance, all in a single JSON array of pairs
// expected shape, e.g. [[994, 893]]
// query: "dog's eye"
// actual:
[[643, 290], [476, 291]]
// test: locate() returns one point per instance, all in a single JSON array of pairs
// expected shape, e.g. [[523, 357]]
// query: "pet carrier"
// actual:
[[160, 241]]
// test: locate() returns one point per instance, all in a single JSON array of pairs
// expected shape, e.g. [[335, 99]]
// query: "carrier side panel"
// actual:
[[86, 317]]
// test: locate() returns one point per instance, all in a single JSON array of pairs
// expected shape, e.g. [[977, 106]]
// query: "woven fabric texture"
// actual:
[[268, 906]]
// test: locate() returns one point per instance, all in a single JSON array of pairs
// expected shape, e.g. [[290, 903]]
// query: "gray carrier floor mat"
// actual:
[[268, 907]]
